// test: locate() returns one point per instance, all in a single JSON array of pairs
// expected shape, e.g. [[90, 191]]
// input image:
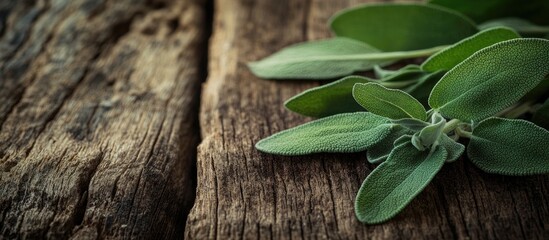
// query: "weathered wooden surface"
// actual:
[[98, 123], [245, 194]]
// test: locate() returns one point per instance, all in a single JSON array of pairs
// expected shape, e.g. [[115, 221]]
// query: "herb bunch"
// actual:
[[411, 121]]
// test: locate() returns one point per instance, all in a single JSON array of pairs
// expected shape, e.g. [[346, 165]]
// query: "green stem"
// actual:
[[518, 110], [397, 84], [372, 56], [462, 133], [401, 54], [451, 125]]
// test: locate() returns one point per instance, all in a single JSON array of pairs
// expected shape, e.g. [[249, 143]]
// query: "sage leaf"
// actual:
[[429, 136], [380, 151], [523, 27], [453, 55], [402, 26], [391, 103], [491, 79], [509, 147], [395, 182], [541, 117], [345, 133], [540, 92], [481, 11], [454, 149], [336, 97], [329, 99], [322, 59], [403, 139]]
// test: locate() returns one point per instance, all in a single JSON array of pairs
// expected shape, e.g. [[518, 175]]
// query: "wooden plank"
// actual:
[[242, 193], [98, 117]]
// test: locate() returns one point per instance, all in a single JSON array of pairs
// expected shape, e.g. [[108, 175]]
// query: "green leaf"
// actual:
[[323, 59], [391, 103], [453, 55], [395, 182], [402, 26], [509, 147], [403, 139], [328, 99], [429, 136], [454, 149], [524, 27], [491, 79], [480, 11], [380, 151], [336, 97], [541, 117], [345, 133], [540, 92]]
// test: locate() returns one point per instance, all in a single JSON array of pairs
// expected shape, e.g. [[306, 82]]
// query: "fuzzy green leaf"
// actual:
[[329, 99], [454, 149], [541, 117], [509, 147], [323, 59], [480, 11], [336, 97], [345, 133], [391, 103], [402, 26], [453, 55], [395, 182], [491, 79], [403, 139], [429, 136], [380, 151], [524, 27]]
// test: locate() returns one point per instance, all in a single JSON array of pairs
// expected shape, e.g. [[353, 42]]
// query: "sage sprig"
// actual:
[[412, 144], [411, 120]]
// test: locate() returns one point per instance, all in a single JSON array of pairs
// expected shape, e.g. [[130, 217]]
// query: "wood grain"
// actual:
[[243, 193], [98, 117]]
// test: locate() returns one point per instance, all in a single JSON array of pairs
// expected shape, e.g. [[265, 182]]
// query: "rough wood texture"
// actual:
[[98, 123], [245, 194]]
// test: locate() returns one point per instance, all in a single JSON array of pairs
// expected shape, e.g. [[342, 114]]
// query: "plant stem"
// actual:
[[462, 133], [397, 84], [373, 56], [518, 110], [451, 125], [402, 54]]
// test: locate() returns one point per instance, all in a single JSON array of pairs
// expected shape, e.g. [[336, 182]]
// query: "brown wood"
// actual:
[[246, 194], [98, 117]]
